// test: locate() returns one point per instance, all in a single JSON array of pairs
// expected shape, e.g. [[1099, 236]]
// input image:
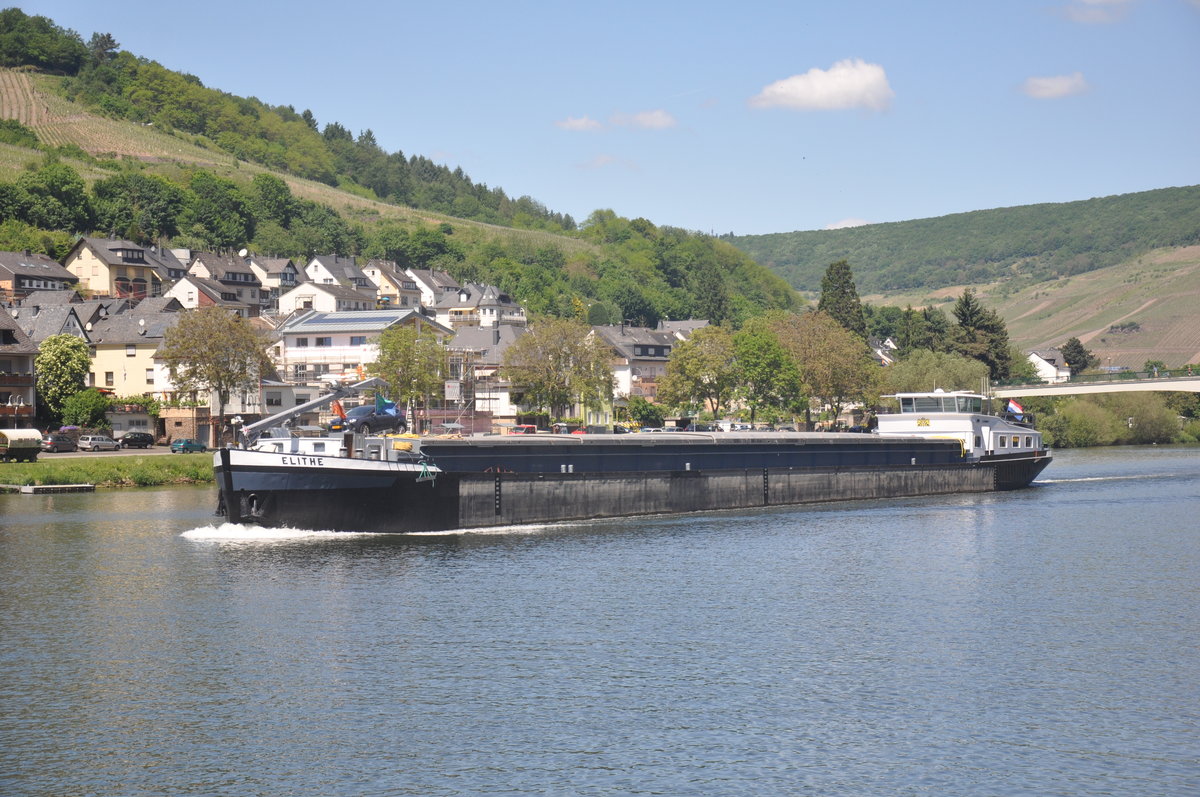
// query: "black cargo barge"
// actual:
[[480, 482]]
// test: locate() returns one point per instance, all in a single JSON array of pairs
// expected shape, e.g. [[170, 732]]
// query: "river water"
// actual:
[[1041, 642]]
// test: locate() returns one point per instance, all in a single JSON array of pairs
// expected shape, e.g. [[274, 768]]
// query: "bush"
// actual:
[[86, 408]]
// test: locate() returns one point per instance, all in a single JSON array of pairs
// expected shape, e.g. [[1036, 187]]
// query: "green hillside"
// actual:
[[1030, 243]]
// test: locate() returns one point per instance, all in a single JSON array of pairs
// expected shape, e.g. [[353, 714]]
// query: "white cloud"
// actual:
[[578, 123], [1051, 88], [846, 84], [844, 223], [649, 120], [1096, 11]]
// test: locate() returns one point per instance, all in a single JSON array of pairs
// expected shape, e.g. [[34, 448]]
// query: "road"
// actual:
[[125, 452]]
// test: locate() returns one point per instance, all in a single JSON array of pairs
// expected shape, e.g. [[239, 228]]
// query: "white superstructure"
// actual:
[[960, 415]]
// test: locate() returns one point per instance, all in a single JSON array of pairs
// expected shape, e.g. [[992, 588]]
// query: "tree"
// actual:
[[557, 363], [982, 334], [1077, 358], [217, 212], [102, 46], [702, 368], [839, 298], [58, 198], [87, 408], [411, 364], [62, 364], [137, 206], [211, 349], [770, 378], [644, 413], [835, 364], [923, 370]]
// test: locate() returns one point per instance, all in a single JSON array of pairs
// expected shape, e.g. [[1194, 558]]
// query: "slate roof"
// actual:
[[277, 265], [34, 264], [132, 328], [220, 267], [437, 282], [42, 321], [475, 295], [486, 343], [682, 329], [624, 339], [343, 269], [13, 339], [43, 298]]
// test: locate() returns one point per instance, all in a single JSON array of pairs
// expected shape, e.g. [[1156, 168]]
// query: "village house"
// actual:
[[432, 284], [193, 292], [23, 273], [236, 277], [315, 346], [640, 357], [18, 382], [337, 270], [393, 287], [125, 350], [277, 275], [1050, 365], [112, 267], [478, 305], [323, 298]]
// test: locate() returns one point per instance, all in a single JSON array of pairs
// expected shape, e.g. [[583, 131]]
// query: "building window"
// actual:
[[324, 342], [358, 340], [1003, 441], [130, 350], [149, 376], [108, 378], [301, 343], [301, 398], [274, 398]]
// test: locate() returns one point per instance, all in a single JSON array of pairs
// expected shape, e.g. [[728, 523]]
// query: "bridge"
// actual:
[[1127, 382]]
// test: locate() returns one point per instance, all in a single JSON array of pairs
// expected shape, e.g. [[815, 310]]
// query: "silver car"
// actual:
[[97, 442]]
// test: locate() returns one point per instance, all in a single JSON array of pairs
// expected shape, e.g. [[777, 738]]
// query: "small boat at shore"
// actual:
[[938, 443]]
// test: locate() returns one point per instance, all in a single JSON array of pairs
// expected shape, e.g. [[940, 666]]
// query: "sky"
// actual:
[[745, 118]]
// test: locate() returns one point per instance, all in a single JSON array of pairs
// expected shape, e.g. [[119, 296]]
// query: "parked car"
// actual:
[[523, 428], [366, 420], [97, 442], [136, 440], [54, 443], [185, 446]]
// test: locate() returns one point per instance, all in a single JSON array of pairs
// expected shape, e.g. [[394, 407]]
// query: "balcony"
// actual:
[[9, 414], [17, 380]]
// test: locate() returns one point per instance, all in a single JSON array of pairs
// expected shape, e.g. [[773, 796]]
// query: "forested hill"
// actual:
[[121, 85], [1033, 242]]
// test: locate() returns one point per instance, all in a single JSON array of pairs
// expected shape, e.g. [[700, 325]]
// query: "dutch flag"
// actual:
[[1015, 408]]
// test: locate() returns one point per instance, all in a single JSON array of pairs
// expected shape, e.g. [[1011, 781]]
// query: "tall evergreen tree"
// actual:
[[1078, 358], [839, 298], [982, 334]]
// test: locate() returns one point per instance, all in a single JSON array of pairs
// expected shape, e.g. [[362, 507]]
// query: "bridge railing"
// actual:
[[1108, 378]]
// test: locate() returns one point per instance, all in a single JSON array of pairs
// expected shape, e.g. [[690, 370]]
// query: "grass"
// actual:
[[111, 471]]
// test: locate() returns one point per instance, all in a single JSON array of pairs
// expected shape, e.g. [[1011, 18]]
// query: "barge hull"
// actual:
[[474, 500]]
